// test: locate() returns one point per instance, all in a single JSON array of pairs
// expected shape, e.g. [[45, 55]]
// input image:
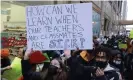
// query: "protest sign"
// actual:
[[59, 27]]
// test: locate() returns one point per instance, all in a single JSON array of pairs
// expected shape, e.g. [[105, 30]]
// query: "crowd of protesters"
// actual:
[[106, 61]]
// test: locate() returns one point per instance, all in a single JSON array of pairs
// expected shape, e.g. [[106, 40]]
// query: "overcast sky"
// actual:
[[130, 11]]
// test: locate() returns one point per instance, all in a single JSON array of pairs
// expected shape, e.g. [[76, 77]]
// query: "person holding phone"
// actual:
[[104, 71]]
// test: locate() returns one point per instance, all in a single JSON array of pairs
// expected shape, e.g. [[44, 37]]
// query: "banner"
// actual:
[[59, 27]]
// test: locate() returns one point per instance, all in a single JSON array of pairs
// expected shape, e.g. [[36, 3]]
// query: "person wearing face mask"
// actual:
[[29, 64], [117, 60], [56, 70], [104, 71]]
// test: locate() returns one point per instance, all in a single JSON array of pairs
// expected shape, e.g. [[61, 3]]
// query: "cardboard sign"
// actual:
[[59, 27]]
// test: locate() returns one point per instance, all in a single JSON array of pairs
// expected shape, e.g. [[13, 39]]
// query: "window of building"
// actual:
[[55, 2]]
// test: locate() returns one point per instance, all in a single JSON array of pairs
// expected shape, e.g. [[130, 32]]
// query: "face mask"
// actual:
[[115, 46], [39, 67], [101, 64], [55, 62], [52, 70], [117, 61]]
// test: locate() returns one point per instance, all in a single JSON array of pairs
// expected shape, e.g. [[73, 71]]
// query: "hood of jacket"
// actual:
[[83, 55], [108, 68]]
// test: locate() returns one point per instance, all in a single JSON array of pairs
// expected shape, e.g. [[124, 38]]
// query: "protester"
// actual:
[[57, 70], [104, 62], [129, 61], [5, 61], [104, 71], [29, 63], [117, 60], [31, 59], [79, 65]]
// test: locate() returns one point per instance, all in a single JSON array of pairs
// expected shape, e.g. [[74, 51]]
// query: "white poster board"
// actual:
[[59, 27]]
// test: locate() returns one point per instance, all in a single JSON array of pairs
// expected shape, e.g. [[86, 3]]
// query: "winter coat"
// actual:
[[79, 68], [120, 67], [109, 74], [4, 63], [129, 66], [29, 74]]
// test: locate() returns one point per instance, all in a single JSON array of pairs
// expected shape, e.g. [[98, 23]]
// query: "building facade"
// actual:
[[105, 13], [124, 14], [111, 12]]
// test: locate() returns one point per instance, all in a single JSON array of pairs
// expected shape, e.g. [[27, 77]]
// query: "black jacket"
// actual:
[[129, 62], [5, 62], [109, 74], [79, 69], [129, 67], [120, 67], [27, 73]]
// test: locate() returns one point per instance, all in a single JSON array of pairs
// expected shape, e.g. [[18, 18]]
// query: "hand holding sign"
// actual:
[[28, 53], [67, 53]]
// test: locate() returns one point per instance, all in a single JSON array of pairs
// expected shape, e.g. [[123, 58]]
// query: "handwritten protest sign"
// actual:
[[59, 27]]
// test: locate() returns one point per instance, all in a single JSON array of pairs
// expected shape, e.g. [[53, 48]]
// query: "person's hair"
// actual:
[[115, 53], [103, 49], [75, 53], [90, 51], [94, 37], [24, 50]]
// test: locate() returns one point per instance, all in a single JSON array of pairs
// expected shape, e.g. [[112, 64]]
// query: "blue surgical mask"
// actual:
[[101, 64]]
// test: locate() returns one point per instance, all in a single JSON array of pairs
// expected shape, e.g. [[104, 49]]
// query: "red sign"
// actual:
[[11, 42]]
